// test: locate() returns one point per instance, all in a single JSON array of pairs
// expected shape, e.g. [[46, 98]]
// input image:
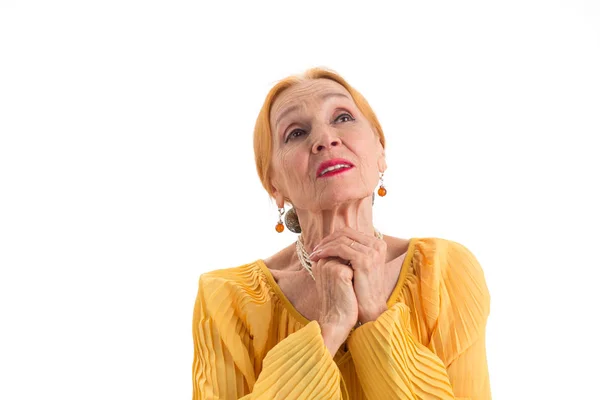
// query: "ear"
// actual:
[[279, 197], [381, 163]]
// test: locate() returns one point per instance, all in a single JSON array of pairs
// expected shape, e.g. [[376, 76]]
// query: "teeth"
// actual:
[[334, 167]]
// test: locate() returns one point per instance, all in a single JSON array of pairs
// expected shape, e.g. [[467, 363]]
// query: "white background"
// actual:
[[127, 170]]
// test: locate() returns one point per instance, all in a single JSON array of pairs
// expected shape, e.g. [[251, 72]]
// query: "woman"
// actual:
[[344, 312]]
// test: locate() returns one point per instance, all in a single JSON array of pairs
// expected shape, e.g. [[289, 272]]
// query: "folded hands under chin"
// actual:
[[366, 255]]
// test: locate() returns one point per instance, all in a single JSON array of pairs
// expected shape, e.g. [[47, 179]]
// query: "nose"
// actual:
[[325, 140]]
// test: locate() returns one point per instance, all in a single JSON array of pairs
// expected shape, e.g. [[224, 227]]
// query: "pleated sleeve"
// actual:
[[392, 363], [459, 334], [298, 367]]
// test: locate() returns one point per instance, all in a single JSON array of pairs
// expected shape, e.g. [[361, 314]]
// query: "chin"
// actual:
[[334, 198]]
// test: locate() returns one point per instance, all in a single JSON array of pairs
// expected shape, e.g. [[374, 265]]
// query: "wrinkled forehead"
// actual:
[[302, 94]]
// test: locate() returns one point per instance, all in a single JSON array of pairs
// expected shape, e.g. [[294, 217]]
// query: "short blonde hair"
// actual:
[[262, 130]]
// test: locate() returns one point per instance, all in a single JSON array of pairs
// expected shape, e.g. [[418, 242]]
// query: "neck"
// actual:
[[356, 214]]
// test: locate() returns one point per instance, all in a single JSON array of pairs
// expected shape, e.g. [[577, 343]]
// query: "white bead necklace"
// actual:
[[304, 256]]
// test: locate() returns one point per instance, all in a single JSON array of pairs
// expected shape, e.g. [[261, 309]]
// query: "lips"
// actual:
[[332, 164]]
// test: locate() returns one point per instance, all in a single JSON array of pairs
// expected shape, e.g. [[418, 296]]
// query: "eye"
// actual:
[[343, 116], [294, 134]]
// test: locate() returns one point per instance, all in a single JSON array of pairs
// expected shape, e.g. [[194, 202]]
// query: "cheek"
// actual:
[[286, 160], [293, 165], [365, 150], [365, 147]]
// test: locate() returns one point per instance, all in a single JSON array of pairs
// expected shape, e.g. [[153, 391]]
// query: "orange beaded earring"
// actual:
[[381, 191], [279, 227]]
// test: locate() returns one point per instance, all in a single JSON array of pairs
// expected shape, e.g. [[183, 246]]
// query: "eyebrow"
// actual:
[[296, 107]]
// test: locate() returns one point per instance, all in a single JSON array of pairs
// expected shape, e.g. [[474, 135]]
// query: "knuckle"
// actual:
[[328, 263], [344, 273]]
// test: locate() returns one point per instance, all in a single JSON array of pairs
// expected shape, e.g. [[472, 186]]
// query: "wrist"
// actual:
[[335, 332], [372, 314], [333, 337]]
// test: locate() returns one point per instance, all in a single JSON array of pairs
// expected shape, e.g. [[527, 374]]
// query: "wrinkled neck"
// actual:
[[356, 214]]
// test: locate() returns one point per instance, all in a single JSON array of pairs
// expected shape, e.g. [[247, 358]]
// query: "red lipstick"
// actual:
[[330, 163]]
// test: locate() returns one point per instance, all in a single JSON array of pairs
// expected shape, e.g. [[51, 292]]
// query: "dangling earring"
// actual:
[[291, 221], [381, 191], [279, 226]]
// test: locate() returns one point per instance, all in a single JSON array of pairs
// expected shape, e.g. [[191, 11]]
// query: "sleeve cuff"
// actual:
[[299, 367], [391, 362]]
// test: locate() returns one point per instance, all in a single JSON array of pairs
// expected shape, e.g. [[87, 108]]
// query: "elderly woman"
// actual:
[[345, 312]]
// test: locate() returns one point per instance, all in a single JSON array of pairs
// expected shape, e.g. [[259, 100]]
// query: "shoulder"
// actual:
[[452, 281], [450, 264], [447, 260], [235, 301], [240, 276], [454, 289], [228, 274], [437, 245], [223, 288]]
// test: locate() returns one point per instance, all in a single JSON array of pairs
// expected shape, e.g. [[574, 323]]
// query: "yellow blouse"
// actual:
[[251, 343]]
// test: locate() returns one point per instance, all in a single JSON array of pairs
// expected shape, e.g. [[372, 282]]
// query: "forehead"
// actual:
[[305, 92]]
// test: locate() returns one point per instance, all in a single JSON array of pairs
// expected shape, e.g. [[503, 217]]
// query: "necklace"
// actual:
[[304, 257]]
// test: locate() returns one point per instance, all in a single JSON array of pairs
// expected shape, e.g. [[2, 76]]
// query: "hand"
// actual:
[[366, 255], [337, 301]]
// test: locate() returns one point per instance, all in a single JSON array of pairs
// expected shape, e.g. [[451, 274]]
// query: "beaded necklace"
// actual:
[[304, 256]]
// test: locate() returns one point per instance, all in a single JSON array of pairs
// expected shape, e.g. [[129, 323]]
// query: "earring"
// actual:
[[279, 226], [381, 191], [291, 221]]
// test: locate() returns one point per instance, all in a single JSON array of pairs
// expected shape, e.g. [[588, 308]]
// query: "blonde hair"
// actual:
[[262, 129]]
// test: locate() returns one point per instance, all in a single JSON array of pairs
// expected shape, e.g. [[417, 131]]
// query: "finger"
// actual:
[[342, 251], [340, 241], [347, 232], [333, 262]]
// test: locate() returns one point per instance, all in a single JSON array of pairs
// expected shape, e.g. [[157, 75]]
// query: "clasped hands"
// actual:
[[366, 255]]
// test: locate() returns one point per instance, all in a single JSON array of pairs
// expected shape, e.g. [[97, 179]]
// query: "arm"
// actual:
[[298, 367], [469, 373], [459, 336], [392, 363]]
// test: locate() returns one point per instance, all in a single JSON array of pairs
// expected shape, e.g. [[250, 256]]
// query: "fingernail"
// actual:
[[313, 253]]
